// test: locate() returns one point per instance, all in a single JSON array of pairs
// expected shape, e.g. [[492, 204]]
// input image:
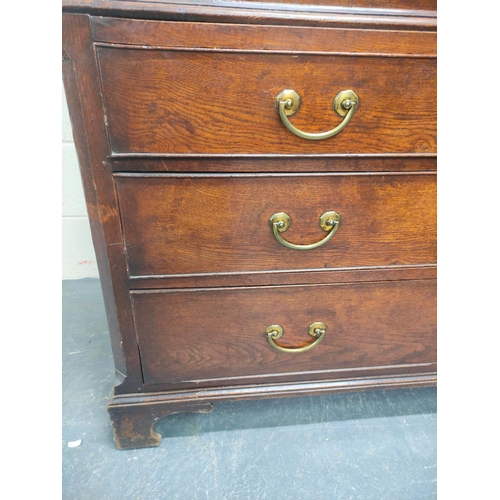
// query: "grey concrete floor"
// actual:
[[376, 445]]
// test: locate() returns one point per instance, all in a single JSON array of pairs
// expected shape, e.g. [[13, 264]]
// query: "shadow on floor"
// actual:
[[269, 413]]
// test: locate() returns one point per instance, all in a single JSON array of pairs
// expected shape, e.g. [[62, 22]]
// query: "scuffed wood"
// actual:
[[409, 18], [133, 424], [248, 38], [85, 109]]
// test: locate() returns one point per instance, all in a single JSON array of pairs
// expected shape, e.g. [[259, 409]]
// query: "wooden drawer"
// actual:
[[206, 336], [216, 223], [223, 101]]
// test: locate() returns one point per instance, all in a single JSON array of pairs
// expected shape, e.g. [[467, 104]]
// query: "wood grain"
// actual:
[[263, 390], [87, 119], [200, 334], [286, 277], [264, 38], [133, 416], [299, 163], [259, 13], [371, 4], [181, 224], [133, 423], [197, 102], [183, 160]]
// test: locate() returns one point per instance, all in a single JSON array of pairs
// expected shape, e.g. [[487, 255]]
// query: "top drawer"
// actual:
[[191, 100]]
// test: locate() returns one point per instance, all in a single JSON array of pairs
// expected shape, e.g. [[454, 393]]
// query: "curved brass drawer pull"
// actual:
[[275, 332], [345, 104], [281, 221]]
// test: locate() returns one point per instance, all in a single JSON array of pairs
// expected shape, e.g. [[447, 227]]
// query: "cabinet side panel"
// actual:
[[80, 82]]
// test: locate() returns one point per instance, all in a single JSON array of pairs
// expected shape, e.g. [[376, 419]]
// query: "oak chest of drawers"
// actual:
[[260, 182]]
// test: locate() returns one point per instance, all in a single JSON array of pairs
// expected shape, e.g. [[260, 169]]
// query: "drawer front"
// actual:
[[206, 335], [188, 224], [223, 102]]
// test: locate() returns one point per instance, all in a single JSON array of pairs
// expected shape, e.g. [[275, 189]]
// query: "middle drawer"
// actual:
[[220, 223]]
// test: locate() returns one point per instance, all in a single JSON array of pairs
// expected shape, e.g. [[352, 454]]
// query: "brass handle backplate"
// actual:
[[281, 221], [345, 104], [275, 332]]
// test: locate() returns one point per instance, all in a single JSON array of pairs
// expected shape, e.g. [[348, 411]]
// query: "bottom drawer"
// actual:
[[217, 336]]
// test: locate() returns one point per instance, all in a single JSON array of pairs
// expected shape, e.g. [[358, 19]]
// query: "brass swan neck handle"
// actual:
[[281, 221], [345, 104], [275, 332]]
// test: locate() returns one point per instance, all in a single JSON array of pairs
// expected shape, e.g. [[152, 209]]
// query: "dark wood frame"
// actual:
[[133, 410]]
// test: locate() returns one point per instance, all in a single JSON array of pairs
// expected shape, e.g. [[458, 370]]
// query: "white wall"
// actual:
[[78, 257]]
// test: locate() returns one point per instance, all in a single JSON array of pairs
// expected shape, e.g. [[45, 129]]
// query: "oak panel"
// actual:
[[171, 102], [299, 163], [197, 335], [219, 36], [192, 224]]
